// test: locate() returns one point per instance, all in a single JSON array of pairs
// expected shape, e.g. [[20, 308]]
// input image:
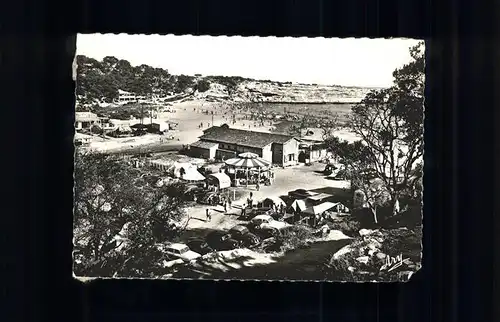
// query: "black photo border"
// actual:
[[37, 52]]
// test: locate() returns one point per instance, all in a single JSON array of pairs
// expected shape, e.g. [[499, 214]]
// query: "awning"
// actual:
[[223, 179], [319, 209]]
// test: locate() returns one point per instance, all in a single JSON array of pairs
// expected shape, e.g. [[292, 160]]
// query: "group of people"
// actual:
[[226, 203]]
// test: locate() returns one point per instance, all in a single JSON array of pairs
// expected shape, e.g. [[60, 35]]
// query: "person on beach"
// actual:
[[257, 186], [225, 206], [209, 217]]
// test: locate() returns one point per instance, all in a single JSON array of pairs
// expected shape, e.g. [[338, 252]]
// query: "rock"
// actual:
[[405, 275], [344, 250], [365, 232], [362, 251], [381, 255], [351, 269], [371, 252], [363, 259], [374, 244]]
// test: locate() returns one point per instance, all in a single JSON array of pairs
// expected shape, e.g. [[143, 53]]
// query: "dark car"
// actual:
[[200, 246], [250, 213], [264, 232], [219, 240], [243, 234]]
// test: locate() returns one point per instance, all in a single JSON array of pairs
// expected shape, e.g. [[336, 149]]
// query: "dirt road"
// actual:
[[288, 179]]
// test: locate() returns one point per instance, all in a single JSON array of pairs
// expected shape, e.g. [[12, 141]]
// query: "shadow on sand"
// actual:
[[299, 264]]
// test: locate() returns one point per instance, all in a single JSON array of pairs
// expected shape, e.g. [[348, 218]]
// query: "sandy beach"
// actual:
[[193, 117]]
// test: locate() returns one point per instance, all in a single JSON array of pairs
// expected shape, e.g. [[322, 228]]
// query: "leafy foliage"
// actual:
[[110, 203], [390, 125]]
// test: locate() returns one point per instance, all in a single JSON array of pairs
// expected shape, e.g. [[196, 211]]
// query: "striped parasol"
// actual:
[[248, 162], [248, 155]]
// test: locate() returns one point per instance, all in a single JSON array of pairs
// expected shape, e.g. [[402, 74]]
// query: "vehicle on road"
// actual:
[[243, 234], [267, 221], [220, 240], [266, 226], [250, 213], [180, 251], [200, 246]]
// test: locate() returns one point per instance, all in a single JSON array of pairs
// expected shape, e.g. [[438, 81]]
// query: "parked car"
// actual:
[[243, 234], [250, 213], [267, 221], [265, 232], [219, 240], [180, 251], [200, 246]]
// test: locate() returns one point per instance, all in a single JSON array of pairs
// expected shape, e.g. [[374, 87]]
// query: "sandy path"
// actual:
[[286, 180]]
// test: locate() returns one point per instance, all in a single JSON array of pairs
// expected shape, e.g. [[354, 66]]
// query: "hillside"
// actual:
[[99, 82]]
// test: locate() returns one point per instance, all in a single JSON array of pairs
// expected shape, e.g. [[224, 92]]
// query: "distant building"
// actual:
[[312, 150], [225, 142], [84, 120], [127, 97], [154, 124]]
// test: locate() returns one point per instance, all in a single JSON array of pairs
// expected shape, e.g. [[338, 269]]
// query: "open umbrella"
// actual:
[[248, 155], [248, 160]]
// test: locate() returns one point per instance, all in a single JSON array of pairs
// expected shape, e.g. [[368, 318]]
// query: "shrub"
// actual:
[[347, 225], [294, 237]]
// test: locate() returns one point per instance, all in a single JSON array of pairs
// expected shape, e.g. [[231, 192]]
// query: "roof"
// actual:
[[261, 217], [85, 116], [320, 208], [320, 196], [224, 180], [243, 137], [239, 228], [203, 145]]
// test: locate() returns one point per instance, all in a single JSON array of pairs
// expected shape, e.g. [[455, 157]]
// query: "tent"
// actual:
[[221, 180], [186, 171], [299, 205], [193, 175]]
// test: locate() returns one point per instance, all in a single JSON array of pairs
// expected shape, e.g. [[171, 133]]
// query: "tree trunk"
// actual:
[[374, 211]]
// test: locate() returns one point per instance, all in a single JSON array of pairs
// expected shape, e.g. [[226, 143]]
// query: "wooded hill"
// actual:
[[99, 82]]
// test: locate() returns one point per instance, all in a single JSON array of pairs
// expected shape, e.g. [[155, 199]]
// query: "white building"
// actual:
[[84, 120], [127, 97]]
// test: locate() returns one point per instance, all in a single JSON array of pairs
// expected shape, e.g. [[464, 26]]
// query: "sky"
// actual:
[[348, 62]]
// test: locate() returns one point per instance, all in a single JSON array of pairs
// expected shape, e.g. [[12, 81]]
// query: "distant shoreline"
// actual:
[[313, 103]]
